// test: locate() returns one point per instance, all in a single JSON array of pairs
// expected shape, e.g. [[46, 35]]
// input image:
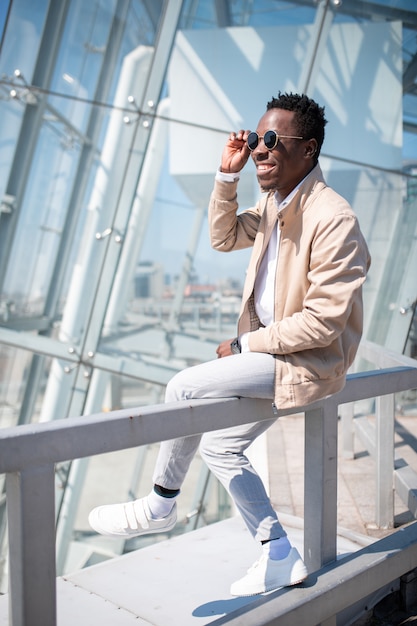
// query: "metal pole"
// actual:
[[347, 416], [31, 517], [385, 410], [320, 486], [319, 35]]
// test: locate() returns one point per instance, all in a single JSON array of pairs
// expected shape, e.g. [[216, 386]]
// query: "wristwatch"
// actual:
[[235, 346]]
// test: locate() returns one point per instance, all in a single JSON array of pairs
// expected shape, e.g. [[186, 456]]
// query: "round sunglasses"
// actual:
[[271, 139]]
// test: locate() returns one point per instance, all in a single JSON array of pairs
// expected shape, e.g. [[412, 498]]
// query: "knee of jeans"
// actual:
[[208, 449], [213, 447], [210, 457], [174, 390]]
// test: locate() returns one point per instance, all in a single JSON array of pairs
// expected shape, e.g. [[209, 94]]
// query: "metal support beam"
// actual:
[[223, 13], [405, 481], [320, 486], [366, 433], [348, 440], [31, 518], [317, 45], [385, 461]]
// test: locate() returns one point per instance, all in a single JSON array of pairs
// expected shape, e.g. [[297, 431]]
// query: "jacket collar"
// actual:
[[299, 201]]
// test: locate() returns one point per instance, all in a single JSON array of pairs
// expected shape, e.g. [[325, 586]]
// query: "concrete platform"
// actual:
[[180, 582]]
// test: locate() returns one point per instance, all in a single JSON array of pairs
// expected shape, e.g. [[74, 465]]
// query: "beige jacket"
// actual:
[[322, 264]]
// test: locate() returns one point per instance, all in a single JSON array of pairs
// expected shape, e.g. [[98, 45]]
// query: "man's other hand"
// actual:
[[224, 349]]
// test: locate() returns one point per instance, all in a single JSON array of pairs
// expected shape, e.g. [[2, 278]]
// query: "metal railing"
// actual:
[[28, 455]]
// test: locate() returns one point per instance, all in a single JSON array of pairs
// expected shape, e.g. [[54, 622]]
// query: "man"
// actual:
[[298, 331]]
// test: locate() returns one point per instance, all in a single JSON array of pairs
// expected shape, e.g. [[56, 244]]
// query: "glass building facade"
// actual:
[[113, 115]]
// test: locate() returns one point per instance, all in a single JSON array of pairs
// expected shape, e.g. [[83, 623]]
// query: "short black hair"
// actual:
[[309, 116]]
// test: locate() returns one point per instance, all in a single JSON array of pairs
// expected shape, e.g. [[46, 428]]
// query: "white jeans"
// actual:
[[249, 375]]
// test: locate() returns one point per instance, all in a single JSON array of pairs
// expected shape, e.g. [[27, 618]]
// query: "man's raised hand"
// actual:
[[235, 153]]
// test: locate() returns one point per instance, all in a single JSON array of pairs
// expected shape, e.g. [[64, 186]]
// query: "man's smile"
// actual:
[[264, 167]]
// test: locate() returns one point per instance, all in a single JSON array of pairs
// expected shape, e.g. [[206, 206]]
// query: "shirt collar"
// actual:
[[282, 203]]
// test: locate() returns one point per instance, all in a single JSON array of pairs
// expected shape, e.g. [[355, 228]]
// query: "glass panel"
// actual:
[[364, 147], [12, 364], [65, 134], [15, 366], [22, 26]]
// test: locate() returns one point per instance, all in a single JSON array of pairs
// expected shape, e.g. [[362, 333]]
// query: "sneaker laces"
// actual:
[[258, 563]]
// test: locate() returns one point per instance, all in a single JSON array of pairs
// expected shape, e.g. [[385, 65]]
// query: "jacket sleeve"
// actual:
[[336, 269], [229, 230]]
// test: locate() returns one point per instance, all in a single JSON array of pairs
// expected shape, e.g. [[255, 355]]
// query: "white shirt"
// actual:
[[265, 279], [264, 290]]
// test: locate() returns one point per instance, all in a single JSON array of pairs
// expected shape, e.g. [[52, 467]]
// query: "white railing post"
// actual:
[[31, 520], [385, 412], [320, 485]]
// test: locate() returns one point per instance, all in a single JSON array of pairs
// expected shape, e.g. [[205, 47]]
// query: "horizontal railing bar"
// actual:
[[405, 481], [382, 357], [364, 385], [334, 587], [61, 440], [31, 445]]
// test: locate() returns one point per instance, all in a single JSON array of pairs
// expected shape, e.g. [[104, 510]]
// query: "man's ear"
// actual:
[[311, 148]]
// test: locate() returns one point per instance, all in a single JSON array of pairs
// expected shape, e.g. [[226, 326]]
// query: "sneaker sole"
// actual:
[[268, 589], [300, 578]]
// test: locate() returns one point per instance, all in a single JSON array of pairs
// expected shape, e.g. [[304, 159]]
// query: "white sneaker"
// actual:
[[267, 574], [130, 519]]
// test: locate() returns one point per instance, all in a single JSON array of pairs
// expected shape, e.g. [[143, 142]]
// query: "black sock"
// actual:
[[164, 492]]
